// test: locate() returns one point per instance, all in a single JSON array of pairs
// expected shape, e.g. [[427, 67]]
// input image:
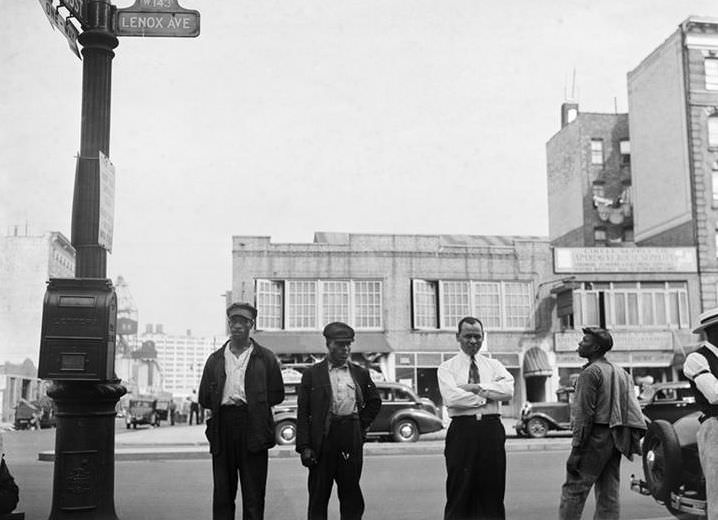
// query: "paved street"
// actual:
[[396, 486]]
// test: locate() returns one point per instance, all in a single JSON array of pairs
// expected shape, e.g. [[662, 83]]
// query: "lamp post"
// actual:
[[84, 471]]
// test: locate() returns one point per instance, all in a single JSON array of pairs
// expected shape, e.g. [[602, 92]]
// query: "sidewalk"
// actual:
[[182, 442]]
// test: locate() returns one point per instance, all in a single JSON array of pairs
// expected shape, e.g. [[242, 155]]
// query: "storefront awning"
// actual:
[[536, 363], [314, 343]]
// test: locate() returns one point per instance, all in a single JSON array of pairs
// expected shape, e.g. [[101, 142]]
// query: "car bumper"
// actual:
[[679, 502]]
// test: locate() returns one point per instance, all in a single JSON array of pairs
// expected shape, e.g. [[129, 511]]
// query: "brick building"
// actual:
[[404, 295]]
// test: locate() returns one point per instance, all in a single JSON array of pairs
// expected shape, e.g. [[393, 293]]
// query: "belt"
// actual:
[[233, 407], [344, 418], [477, 417]]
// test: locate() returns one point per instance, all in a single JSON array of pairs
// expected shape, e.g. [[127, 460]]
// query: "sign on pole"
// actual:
[[66, 27], [161, 18], [107, 203], [77, 8]]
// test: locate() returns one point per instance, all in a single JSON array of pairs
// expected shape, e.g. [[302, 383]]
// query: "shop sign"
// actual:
[[624, 359], [622, 340], [508, 359], [625, 260]]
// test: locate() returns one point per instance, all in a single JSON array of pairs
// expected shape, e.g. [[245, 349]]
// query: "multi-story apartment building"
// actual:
[[28, 262], [404, 295], [589, 180], [673, 116], [180, 360]]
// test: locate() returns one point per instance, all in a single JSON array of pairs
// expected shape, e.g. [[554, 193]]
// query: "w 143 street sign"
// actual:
[[164, 18]]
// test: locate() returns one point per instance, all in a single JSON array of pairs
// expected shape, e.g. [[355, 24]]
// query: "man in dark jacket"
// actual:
[[240, 384], [336, 403]]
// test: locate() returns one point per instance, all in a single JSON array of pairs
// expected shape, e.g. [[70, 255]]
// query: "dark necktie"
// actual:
[[473, 372]]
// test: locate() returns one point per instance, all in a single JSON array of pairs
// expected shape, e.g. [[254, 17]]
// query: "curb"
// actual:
[[201, 451]]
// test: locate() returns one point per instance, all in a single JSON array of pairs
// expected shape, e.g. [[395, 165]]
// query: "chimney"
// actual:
[[158, 328], [569, 111], [148, 328], [189, 332]]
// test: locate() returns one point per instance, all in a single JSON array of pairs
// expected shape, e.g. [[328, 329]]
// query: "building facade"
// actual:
[[404, 295], [28, 262], [673, 116]]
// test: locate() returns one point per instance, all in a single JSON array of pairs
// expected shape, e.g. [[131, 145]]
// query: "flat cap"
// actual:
[[339, 331], [242, 309], [602, 336]]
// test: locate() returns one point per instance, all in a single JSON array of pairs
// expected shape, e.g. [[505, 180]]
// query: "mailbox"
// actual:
[[79, 323]]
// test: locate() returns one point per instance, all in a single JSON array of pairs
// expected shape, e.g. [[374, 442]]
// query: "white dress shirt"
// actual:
[[344, 393], [696, 369], [235, 368], [495, 380]]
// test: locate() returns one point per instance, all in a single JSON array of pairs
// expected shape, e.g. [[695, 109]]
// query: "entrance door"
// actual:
[[427, 385], [536, 389]]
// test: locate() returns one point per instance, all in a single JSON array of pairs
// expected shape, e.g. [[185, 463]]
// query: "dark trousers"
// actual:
[[194, 410], [476, 469], [599, 466], [340, 460], [232, 458]]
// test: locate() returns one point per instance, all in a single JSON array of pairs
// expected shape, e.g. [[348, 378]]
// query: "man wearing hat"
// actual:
[[336, 403], [607, 423], [701, 369], [240, 384]]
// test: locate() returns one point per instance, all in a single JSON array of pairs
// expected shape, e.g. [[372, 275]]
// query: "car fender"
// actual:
[[550, 420], [426, 421], [285, 415]]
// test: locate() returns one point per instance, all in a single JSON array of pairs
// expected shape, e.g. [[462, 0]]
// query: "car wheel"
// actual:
[[405, 430], [285, 433], [537, 427], [661, 460]]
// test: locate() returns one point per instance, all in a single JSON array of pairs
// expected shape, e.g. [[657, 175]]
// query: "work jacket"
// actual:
[[314, 402], [263, 386]]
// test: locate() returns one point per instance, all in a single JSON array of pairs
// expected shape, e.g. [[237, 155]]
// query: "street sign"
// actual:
[[66, 27], [107, 203], [162, 18], [77, 8]]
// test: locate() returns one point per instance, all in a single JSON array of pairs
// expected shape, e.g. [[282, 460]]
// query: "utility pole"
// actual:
[[77, 350]]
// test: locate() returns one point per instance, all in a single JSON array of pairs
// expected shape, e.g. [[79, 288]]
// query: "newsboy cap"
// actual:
[[339, 331], [707, 319], [242, 309], [602, 336]]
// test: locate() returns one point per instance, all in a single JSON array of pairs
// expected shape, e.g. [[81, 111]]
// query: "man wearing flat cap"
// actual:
[[701, 369], [607, 423], [240, 384], [336, 403]]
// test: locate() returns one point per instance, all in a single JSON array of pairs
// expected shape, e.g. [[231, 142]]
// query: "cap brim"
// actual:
[[709, 323], [241, 312]]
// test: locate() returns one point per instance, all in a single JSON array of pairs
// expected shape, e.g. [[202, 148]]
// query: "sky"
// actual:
[[287, 117]]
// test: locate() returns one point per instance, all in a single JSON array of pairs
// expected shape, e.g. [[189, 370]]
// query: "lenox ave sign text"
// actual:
[[157, 24]]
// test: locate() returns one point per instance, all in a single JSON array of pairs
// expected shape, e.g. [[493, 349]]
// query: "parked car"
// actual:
[[142, 411], [671, 467], [537, 419], [667, 401], [403, 416]]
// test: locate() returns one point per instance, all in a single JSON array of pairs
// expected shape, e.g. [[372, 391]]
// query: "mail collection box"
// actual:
[[79, 326]]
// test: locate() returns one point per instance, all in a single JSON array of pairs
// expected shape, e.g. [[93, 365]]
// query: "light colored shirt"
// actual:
[[235, 368], [495, 380], [344, 394], [696, 368]]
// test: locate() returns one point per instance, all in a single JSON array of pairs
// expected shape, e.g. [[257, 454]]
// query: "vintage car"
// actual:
[[667, 401], [537, 419], [671, 467], [403, 415], [143, 411]]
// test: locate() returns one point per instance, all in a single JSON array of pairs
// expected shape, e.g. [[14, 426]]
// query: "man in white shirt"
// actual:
[[701, 369], [472, 387]]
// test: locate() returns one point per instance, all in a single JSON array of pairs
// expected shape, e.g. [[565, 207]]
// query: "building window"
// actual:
[[713, 131], [625, 149], [631, 305], [269, 299], [597, 151], [425, 311], [311, 304], [499, 305], [711, 68]]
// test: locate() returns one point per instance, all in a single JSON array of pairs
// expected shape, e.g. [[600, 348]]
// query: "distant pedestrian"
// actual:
[[607, 423], [336, 403], [701, 369], [472, 387], [240, 384], [193, 408], [172, 410]]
